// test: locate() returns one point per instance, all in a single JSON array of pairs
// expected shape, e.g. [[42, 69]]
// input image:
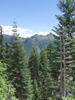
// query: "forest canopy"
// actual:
[[47, 75]]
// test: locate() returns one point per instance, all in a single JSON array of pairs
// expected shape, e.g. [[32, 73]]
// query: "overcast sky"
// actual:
[[32, 16]]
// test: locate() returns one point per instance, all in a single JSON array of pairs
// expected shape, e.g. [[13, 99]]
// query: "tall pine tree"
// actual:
[[53, 62], [3, 83], [54, 65], [19, 68], [65, 30], [2, 46], [45, 79], [33, 66]]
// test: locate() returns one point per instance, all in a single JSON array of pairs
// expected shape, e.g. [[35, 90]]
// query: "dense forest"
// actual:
[[39, 40], [49, 75]]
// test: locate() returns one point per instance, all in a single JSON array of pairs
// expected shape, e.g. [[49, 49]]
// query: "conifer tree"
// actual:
[[67, 19], [7, 49], [54, 66], [3, 83], [72, 83], [67, 25], [19, 68], [2, 46], [8, 56], [45, 79], [33, 66], [53, 62]]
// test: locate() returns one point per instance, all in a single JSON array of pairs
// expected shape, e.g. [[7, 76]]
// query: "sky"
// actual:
[[32, 16]]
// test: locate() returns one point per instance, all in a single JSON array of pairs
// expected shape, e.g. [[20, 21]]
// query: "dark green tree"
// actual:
[[45, 79], [8, 56], [2, 46], [33, 66], [7, 50], [3, 83], [19, 68], [53, 62], [65, 30], [67, 19], [54, 66]]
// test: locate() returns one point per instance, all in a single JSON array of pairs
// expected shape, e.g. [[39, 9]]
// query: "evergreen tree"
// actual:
[[8, 56], [3, 83], [2, 46], [19, 68], [65, 30], [72, 83], [45, 79], [53, 62], [33, 66], [67, 19], [7, 50], [54, 66]]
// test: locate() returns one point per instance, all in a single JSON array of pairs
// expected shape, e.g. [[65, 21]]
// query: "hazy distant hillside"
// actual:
[[39, 40]]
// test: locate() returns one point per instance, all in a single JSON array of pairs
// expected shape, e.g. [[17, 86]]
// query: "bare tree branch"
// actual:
[[9, 88]]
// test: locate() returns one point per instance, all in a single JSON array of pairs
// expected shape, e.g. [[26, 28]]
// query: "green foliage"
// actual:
[[3, 84], [8, 56], [36, 91], [40, 78], [33, 63], [45, 79], [12, 90], [39, 40], [2, 46], [67, 19], [33, 66], [54, 66], [13, 98], [19, 68], [67, 24], [53, 61], [68, 98]]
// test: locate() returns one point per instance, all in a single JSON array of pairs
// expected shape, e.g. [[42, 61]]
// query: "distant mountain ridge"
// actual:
[[39, 40]]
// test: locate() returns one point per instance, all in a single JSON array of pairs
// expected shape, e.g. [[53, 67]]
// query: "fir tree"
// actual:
[[65, 30], [54, 66], [8, 56], [45, 79], [53, 62], [67, 19], [2, 46], [33, 66], [19, 68], [3, 83]]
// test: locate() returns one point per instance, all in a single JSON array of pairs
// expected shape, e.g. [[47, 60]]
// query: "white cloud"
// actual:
[[23, 32]]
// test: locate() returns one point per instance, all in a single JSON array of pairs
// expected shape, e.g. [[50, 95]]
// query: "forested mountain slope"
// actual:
[[39, 40]]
